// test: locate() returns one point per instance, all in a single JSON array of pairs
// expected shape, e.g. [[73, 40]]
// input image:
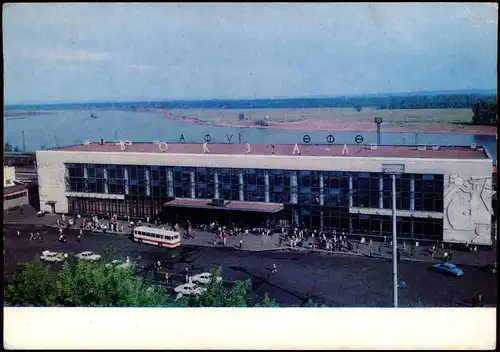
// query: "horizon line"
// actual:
[[318, 96]]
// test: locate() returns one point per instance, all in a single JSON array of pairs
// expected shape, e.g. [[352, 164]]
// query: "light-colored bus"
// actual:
[[159, 237]]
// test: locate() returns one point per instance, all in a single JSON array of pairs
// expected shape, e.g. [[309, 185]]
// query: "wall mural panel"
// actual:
[[467, 209]]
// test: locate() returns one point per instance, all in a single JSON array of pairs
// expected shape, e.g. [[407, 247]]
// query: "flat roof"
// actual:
[[14, 189], [229, 205], [356, 150]]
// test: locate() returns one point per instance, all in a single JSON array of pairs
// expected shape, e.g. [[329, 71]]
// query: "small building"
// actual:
[[9, 175], [15, 196]]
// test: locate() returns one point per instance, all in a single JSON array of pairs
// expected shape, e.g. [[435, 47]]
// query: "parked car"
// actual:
[[189, 289], [52, 257], [448, 268], [88, 256], [204, 278], [119, 264]]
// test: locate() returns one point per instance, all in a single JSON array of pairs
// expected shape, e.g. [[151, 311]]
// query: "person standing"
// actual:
[[280, 239], [241, 243], [445, 256], [224, 240], [166, 277], [371, 243]]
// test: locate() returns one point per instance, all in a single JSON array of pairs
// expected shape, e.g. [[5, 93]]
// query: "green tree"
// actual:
[[237, 296], [83, 284], [485, 112], [80, 284], [9, 148]]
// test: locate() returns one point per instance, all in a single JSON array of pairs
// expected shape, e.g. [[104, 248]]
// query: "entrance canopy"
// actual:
[[230, 205]]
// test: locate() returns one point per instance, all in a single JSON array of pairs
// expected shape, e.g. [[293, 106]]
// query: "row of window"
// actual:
[[15, 196], [156, 235], [152, 182]]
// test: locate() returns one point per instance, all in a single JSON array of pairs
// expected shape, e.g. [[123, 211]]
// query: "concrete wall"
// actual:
[[9, 175], [463, 219]]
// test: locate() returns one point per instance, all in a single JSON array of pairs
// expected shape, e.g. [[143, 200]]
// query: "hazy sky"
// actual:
[[90, 52]]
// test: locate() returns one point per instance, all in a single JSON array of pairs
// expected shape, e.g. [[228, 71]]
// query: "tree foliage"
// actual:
[[485, 112], [9, 148], [84, 284]]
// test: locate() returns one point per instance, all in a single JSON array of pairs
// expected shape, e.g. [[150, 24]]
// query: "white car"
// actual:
[[205, 278], [52, 257], [89, 256], [120, 264], [189, 289]]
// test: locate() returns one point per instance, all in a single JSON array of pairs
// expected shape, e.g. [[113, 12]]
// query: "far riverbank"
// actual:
[[334, 124]]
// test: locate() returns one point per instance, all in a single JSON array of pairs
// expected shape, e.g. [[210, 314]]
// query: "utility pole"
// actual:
[[116, 134], [24, 142], [393, 170], [394, 243], [378, 121]]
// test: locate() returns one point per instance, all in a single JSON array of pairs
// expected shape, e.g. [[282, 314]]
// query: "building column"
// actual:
[[240, 181], [381, 191], [266, 186], [125, 176], [148, 181], [216, 185], [350, 192], [295, 220], [105, 180], [412, 192], [412, 227], [321, 193], [293, 193], [170, 182], [192, 183]]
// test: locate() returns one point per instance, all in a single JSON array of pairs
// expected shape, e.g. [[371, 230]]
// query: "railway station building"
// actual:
[[442, 193]]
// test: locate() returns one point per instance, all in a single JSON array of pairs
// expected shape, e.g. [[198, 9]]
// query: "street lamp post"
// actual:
[[378, 121], [393, 170], [394, 242]]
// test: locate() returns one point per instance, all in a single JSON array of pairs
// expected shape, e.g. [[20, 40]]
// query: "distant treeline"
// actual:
[[442, 101], [465, 101]]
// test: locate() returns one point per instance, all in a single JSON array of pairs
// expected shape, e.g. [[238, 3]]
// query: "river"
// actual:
[[74, 126]]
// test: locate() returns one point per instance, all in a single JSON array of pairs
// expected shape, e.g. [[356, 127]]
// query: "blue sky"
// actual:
[[95, 52]]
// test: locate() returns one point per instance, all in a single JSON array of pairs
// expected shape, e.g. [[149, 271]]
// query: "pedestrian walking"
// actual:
[[57, 221], [275, 269], [78, 238], [187, 278], [413, 251], [21, 210], [371, 252], [158, 263], [385, 239], [280, 239], [371, 242], [416, 243], [445, 256], [63, 217], [166, 277], [404, 246], [224, 240], [18, 233], [241, 243], [449, 256]]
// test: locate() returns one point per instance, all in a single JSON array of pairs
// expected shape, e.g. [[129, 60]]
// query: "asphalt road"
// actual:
[[328, 279]]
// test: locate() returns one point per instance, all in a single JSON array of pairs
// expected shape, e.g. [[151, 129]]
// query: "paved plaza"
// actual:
[[333, 279]]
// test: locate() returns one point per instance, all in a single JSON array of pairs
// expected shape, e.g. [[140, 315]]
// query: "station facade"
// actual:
[[442, 193]]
